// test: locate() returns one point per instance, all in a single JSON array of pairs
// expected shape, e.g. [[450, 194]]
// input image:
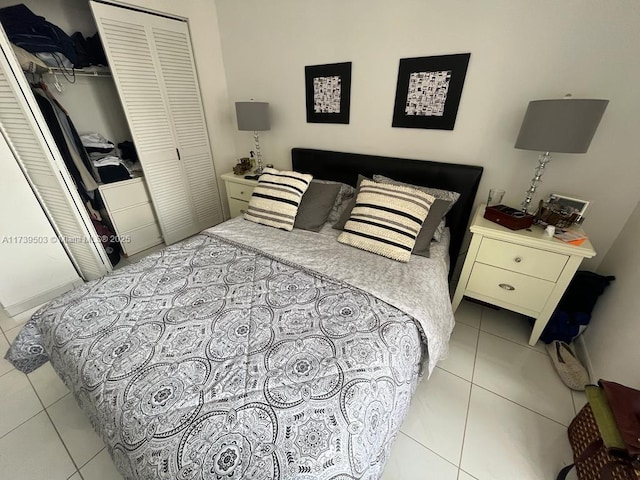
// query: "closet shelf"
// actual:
[[82, 72]]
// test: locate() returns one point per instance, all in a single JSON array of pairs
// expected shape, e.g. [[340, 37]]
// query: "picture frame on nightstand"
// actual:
[[562, 211], [568, 204]]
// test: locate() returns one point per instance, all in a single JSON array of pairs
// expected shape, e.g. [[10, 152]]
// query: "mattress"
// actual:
[[247, 352]]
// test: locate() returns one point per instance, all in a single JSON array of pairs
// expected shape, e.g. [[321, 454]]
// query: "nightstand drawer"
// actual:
[[239, 191], [521, 259], [237, 207], [510, 287]]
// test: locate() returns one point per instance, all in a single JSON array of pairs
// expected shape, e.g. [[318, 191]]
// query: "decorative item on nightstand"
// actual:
[[561, 211], [254, 117], [563, 125], [243, 166], [508, 217]]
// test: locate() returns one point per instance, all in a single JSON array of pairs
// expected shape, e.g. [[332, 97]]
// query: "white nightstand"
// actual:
[[239, 190], [524, 271]]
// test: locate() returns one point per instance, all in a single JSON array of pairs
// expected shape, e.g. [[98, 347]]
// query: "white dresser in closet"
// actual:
[[129, 207]]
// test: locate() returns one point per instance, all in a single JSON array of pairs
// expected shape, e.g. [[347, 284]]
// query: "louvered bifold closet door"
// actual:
[[173, 48], [33, 146], [126, 41], [177, 165]]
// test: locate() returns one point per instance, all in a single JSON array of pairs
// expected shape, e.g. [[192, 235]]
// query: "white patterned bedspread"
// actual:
[[213, 360]]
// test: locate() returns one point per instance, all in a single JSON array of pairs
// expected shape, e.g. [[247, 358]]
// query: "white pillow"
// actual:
[[276, 198], [386, 219]]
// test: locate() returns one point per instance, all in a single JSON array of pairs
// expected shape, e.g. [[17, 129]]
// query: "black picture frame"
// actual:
[[325, 111], [447, 75]]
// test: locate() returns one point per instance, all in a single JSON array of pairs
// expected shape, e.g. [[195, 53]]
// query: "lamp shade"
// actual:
[[564, 125], [253, 116]]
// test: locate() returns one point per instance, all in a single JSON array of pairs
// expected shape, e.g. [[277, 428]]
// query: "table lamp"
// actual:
[[254, 117], [564, 125]]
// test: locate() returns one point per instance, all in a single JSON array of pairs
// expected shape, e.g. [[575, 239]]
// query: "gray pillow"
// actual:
[[344, 195], [436, 192], [316, 204], [429, 227], [339, 225]]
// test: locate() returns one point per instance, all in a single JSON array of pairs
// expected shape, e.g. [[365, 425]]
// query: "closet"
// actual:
[[153, 70]]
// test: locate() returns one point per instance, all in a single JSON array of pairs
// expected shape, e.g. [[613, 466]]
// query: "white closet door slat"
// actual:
[[126, 40], [183, 93], [52, 185]]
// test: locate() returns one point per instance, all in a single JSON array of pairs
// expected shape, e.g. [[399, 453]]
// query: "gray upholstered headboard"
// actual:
[[345, 167]]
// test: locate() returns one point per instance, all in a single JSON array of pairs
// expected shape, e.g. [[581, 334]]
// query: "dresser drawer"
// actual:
[[141, 239], [124, 194], [521, 259], [510, 287], [239, 191], [134, 217]]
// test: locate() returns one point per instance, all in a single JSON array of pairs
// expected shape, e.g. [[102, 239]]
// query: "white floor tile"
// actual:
[[522, 375], [34, 450], [47, 384], [12, 333], [7, 323], [76, 431], [462, 351], [579, 400], [438, 413], [509, 325], [469, 313], [18, 401], [4, 365], [504, 441], [100, 468], [462, 475], [409, 459]]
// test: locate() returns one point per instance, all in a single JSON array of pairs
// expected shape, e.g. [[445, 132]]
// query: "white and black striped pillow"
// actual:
[[276, 198], [386, 219]]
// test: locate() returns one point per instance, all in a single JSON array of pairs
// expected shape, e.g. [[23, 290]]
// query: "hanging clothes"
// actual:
[[64, 134]]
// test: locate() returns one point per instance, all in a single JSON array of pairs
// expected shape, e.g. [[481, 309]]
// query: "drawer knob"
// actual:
[[517, 259], [506, 286]]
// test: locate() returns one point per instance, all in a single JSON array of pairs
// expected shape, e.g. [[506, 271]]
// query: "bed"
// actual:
[[251, 352]]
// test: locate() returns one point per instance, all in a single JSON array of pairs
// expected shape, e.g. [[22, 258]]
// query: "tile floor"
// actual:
[[493, 410]]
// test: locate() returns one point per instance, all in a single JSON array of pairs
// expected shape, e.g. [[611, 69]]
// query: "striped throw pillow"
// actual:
[[276, 198], [386, 219]]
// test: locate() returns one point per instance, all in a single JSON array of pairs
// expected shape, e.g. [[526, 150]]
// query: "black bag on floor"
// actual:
[[573, 312]]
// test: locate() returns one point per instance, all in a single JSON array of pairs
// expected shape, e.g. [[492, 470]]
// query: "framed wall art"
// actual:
[[328, 89], [429, 90]]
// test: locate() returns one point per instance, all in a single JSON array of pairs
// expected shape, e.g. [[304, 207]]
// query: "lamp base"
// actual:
[[543, 159], [260, 169]]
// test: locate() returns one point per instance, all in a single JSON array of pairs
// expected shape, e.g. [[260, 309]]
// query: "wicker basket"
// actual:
[[595, 463]]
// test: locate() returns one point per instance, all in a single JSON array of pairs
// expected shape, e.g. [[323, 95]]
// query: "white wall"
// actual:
[[614, 332], [521, 50], [32, 272]]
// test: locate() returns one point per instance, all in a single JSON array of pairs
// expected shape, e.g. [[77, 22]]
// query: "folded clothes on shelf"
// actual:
[[94, 142]]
